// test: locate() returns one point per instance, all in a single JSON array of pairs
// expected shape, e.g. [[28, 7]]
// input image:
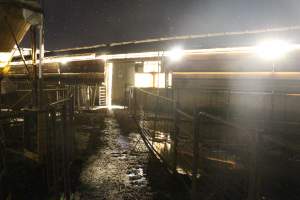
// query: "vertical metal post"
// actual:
[[131, 100], [41, 60], [42, 133], [99, 96], [155, 116], [33, 58], [78, 97], [94, 94], [90, 92], [73, 97], [69, 141], [254, 179], [134, 104], [54, 149], [195, 155], [71, 131], [1, 92], [42, 47], [125, 96], [42, 115], [142, 115], [175, 136], [64, 154], [48, 148], [228, 104]]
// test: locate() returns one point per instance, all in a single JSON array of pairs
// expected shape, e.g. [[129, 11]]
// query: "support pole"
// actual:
[[254, 179], [1, 77], [175, 136], [195, 156], [78, 97], [54, 150], [42, 48], [41, 112], [65, 161], [155, 117], [34, 65], [134, 104]]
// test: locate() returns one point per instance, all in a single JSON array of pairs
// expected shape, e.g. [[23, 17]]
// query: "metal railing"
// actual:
[[2, 157], [224, 160], [85, 96], [45, 135], [60, 145]]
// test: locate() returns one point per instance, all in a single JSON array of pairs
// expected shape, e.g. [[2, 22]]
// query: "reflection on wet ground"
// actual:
[[162, 142], [120, 166], [227, 158], [115, 171]]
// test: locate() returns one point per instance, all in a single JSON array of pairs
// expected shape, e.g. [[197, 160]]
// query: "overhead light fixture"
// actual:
[[175, 54], [64, 61], [4, 58], [103, 57], [5, 70], [109, 82], [273, 49]]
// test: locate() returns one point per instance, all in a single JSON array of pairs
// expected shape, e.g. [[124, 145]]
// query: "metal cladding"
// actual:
[[16, 17]]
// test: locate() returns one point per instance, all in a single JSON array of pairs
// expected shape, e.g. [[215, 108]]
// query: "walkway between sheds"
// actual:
[[118, 165]]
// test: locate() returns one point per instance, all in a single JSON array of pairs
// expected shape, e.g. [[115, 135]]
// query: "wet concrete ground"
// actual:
[[116, 163]]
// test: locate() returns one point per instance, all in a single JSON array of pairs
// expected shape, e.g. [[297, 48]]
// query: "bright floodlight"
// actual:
[[4, 58], [64, 61], [273, 49], [176, 54]]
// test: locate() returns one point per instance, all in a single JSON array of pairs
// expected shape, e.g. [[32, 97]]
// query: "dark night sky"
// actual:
[[73, 23]]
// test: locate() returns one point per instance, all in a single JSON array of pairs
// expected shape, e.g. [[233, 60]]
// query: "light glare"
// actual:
[[4, 58], [176, 54], [152, 66], [273, 49], [143, 80], [109, 82], [64, 61]]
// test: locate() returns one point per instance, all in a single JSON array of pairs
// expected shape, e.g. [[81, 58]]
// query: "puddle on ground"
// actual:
[[115, 171]]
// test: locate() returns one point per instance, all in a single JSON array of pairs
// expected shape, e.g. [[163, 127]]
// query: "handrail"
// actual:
[[248, 130], [2, 158], [20, 100], [244, 130], [46, 90], [252, 146], [232, 91], [60, 101], [204, 114], [228, 123], [155, 95], [190, 117]]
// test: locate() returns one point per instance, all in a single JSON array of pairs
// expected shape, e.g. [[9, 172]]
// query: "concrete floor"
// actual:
[[116, 163]]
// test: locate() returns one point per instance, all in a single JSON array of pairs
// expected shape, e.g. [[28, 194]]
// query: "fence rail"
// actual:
[[2, 157], [60, 145], [223, 159], [46, 136]]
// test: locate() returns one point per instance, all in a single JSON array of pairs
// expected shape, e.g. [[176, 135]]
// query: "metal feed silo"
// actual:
[[16, 17]]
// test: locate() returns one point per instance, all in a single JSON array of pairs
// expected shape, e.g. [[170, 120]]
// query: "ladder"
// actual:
[[102, 96]]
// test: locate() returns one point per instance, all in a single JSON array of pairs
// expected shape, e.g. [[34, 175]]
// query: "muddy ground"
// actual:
[[113, 162]]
